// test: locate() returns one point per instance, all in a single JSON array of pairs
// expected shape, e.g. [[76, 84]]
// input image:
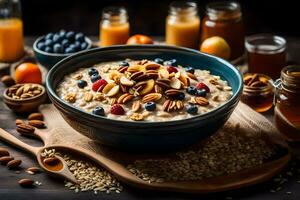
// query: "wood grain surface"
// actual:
[[54, 189]]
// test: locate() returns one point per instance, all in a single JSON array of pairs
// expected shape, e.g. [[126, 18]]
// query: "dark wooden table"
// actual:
[[54, 189]]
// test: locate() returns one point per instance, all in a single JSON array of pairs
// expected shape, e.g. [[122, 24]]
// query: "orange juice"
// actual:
[[11, 39], [114, 34]]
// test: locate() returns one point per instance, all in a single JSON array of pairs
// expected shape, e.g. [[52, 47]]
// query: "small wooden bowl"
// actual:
[[25, 105]]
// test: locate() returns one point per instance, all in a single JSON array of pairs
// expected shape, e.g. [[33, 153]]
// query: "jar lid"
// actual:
[[290, 78], [223, 10]]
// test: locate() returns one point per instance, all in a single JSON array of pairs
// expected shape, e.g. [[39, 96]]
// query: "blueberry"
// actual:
[[77, 46], [70, 35], [159, 61], [172, 62], [150, 106], [200, 93], [92, 71], [65, 43], [95, 77], [81, 83], [124, 64], [191, 90], [49, 49], [41, 46], [98, 111], [57, 48], [62, 33], [192, 109], [83, 46], [79, 37], [48, 43], [70, 50], [49, 36], [56, 38], [190, 70], [181, 96]]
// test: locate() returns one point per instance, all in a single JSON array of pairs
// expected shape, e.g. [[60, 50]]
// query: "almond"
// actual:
[[14, 164], [3, 152], [151, 97], [8, 80], [175, 83], [88, 97], [37, 116], [136, 106], [163, 73], [5, 159], [152, 66], [125, 81], [201, 101], [33, 170], [52, 161], [26, 182], [36, 123], [19, 121], [25, 129]]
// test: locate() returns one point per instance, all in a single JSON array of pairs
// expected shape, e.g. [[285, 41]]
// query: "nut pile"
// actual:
[[34, 120], [90, 177], [24, 91], [144, 90], [221, 154], [256, 80]]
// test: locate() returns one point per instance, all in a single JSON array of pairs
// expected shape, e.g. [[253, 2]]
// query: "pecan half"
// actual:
[[25, 129], [151, 97], [201, 101], [124, 98]]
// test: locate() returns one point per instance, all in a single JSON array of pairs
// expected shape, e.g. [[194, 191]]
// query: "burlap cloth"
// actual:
[[250, 123]]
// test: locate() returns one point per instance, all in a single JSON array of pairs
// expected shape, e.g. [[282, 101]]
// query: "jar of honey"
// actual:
[[258, 92], [183, 24], [11, 31], [287, 103], [224, 19], [114, 26]]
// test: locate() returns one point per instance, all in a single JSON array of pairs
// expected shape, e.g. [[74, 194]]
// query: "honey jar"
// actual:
[[114, 26], [224, 19], [258, 92], [183, 25], [287, 103]]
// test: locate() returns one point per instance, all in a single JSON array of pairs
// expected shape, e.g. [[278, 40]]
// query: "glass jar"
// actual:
[[266, 54], [183, 24], [287, 103], [11, 31], [258, 92], [224, 19], [114, 26]]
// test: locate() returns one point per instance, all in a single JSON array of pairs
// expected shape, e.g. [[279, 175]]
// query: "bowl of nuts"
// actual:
[[24, 98], [145, 97]]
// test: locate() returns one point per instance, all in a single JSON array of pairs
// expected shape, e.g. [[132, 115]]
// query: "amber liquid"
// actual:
[[113, 34], [259, 103], [231, 30], [57, 167], [269, 64]]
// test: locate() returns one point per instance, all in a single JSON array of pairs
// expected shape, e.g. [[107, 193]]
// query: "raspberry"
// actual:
[[117, 109], [172, 69], [202, 85], [98, 85]]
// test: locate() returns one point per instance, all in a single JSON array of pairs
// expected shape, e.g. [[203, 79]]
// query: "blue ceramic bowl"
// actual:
[[48, 60], [145, 136]]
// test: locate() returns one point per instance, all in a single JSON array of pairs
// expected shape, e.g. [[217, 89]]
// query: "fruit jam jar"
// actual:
[[183, 25], [266, 54], [224, 19], [114, 26], [11, 31], [287, 103]]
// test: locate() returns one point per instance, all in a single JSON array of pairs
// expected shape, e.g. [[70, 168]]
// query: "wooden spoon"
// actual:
[[60, 168]]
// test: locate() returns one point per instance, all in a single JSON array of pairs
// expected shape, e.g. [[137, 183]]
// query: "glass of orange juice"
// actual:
[[183, 24], [11, 31], [114, 26]]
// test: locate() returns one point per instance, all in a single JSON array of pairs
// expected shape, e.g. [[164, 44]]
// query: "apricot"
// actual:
[[216, 46], [139, 39], [28, 73]]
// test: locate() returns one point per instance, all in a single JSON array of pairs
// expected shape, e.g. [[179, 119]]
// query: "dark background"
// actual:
[[148, 16]]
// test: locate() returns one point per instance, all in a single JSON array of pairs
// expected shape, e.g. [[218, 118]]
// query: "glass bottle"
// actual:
[[287, 103], [114, 26], [224, 19], [183, 24], [11, 31]]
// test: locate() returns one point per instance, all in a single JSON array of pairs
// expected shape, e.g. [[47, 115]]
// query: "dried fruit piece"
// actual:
[[136, 106], [202, 85], [14, 164], [113, 91], [117, 109], [108, 87], [36, 123], [192, 76], [163, 73], [185, 81], [37, 116], [5, 159], [136, 68], [151, 97], [172, 69], [148, 88], [137, 117], [201, 101], [175, 83], [125, 81], [26, 182], [99, 85]]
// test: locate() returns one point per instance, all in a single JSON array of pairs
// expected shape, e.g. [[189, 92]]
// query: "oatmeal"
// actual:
[[144, 90]]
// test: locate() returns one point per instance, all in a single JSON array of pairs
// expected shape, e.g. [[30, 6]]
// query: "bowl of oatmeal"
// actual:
[[152, 98]]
